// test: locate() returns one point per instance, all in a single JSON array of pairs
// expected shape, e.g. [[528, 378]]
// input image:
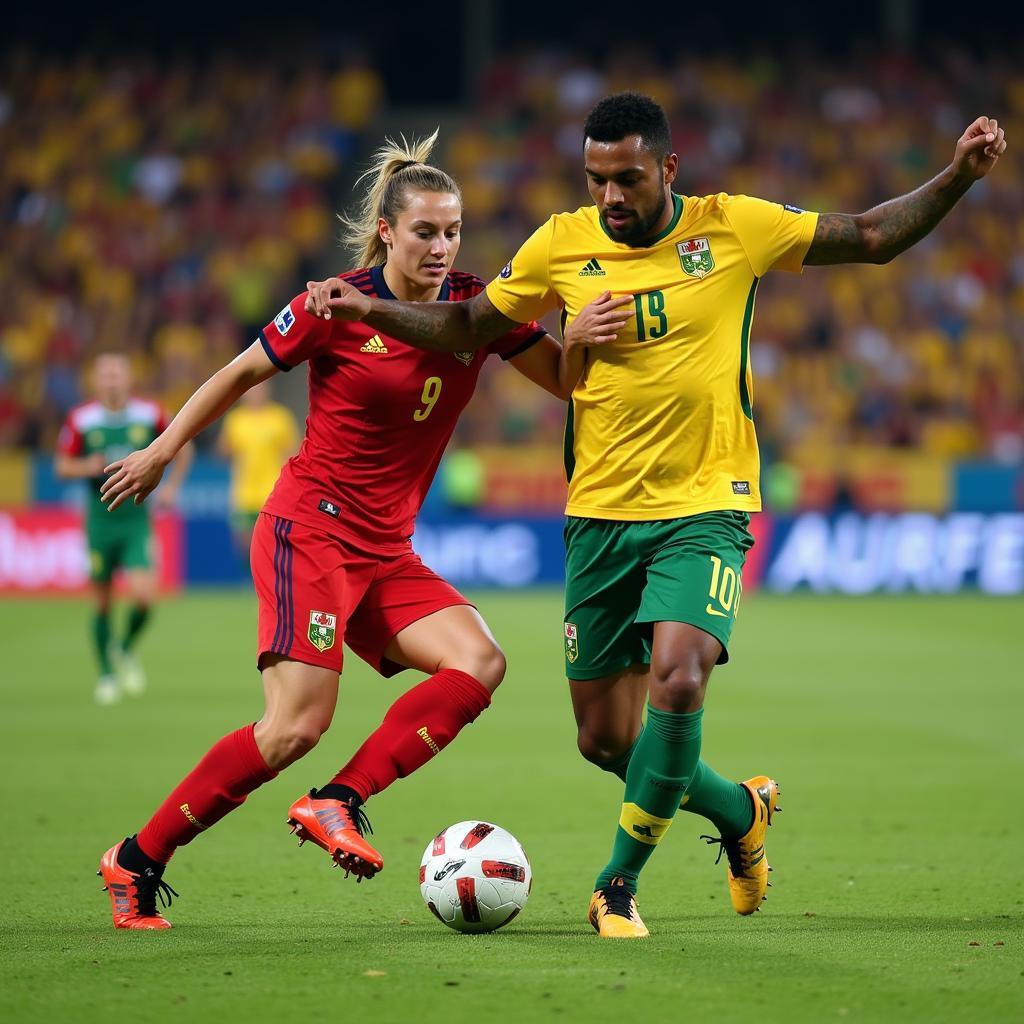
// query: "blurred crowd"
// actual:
[[171, 210], [927, 352], [162, 209]]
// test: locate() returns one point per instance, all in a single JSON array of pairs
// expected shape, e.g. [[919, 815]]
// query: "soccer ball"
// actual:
[[475, 877]]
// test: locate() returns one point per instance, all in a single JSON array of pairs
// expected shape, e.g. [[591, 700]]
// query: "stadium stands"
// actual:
[[169, 210], [164, 210]]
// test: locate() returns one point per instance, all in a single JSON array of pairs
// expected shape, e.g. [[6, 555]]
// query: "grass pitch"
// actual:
[[893, 725]]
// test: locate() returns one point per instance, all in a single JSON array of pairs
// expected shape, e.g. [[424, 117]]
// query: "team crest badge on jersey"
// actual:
[[284, 321], [506, 271], [695, 257], [321, 630], [137, 434], [572, 647], [464, 357]]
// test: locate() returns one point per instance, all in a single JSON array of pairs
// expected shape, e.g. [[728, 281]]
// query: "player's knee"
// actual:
[[601, 747], [291, 741], [484, 660], [680, 688], [291, 746]]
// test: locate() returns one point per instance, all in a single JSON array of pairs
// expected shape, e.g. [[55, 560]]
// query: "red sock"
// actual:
[[420, 724], [231, 769]]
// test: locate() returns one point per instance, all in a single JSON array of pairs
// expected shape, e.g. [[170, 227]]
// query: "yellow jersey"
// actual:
[[661, 422], [258, 440]]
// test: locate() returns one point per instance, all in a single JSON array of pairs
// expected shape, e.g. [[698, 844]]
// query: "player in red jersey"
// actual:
[[331, 554]]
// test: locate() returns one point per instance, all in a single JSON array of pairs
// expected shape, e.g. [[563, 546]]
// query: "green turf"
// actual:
[[893, 725]]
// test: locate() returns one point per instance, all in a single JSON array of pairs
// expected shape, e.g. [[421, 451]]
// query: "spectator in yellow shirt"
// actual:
[[259, 434]]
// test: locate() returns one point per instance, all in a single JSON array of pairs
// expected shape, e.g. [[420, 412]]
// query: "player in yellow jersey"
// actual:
[[661, 454], [258, 436]]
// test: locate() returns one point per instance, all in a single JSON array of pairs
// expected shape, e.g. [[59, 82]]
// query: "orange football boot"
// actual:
[[748, 868], [613, 913], [133, 897], [336, 827]]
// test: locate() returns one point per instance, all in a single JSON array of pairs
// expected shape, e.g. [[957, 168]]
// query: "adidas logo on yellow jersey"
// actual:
[[592, 269], [376, 346]]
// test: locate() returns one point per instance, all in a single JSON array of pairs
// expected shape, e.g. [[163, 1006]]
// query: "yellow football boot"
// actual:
[[748, 862], [613, 913]]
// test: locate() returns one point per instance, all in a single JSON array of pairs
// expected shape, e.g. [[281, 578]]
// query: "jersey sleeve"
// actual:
[[294, 335], [517, 341], [774, 237], [161, 423], [70, 440], [523, 290]]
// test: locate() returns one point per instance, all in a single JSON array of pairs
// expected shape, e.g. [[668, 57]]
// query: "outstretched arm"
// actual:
[[437, 326], [136, 475], [885, 231]]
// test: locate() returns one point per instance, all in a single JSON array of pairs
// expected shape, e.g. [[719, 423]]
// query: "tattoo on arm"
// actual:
[[837, 239], [441, 326], [886, 230], [429, 325], [487, 322]]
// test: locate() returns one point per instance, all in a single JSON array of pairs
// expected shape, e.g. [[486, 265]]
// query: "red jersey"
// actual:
[[380, 415]]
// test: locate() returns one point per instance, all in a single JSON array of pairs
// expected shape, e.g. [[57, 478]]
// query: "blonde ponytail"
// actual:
[[398, 169]]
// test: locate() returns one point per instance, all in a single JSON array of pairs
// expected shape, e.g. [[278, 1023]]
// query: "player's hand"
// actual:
[[978, 149], [135, 476], [600, 321], [336, 299]]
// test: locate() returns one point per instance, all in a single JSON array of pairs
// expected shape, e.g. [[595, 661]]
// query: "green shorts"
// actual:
[[622, 577], [120, 546]]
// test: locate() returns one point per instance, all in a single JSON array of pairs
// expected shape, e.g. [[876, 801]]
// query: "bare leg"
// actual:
[[455, 637], [299, 704], [609, 713]]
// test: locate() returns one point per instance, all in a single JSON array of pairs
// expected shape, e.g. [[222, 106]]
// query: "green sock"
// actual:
[[725, 804], [101, 640], [619, 765], [137, 618], [659, 772]]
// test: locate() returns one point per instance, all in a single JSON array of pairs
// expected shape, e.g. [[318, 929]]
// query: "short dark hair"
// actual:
[[630, 113]]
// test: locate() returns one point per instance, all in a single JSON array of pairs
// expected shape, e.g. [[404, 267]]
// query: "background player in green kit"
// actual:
[[94, 435]]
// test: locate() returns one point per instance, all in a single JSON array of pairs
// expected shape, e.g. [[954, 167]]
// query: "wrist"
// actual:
[[958, 176], [162, 450]]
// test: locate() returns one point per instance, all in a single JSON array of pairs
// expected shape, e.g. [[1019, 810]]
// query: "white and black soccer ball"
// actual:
[[475, 876]]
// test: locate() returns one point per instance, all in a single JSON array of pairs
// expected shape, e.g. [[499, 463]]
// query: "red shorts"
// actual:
[[315, 592]]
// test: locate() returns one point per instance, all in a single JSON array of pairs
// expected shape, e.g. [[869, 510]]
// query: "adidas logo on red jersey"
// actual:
[[376, 346]]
